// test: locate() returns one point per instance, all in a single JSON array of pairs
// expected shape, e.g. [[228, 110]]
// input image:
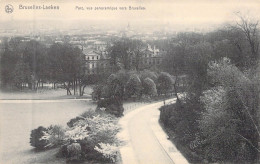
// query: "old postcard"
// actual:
[[129, 81]]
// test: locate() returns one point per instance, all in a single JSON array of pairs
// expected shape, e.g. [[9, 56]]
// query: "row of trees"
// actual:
[[217, 120], [126, 84], [30, 64]]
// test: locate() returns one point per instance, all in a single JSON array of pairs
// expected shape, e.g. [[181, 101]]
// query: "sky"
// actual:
[[174, 12]]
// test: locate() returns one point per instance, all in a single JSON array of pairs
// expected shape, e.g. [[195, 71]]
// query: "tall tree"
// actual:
[[66, 65], [251, 32]]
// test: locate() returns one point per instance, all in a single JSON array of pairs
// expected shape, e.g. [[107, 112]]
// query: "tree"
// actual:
[[164, 83], [230, 116], [8, 62], [148, 74], [136, 49], [115, 86], [250, 30], [22, 74], [66, 65], [133, 86], [34, 54], [126, 54], [119, 54], [149, 87]]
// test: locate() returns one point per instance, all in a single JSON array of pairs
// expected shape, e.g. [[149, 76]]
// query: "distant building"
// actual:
[[96, 57], [151, 57], [128, 32]]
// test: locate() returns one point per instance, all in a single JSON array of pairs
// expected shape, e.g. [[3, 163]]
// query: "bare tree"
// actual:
[[250, 30]]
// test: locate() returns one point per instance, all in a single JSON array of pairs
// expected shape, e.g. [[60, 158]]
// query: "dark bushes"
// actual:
[[181, 125], [43, 138], [112, 105], [36, 138]]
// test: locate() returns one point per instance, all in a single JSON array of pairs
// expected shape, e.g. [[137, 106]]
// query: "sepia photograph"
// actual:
[[129, 82]]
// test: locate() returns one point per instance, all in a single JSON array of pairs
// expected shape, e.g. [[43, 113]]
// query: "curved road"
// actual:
[[145, 144], [145, 138]]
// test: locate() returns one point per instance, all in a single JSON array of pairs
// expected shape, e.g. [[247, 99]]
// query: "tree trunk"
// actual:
[[67, 88], [80, 85], [82, 90], [74, 86]]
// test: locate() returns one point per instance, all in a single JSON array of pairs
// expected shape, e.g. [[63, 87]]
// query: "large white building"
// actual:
[[96, 57]]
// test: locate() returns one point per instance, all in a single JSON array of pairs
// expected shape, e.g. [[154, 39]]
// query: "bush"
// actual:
[[180, 122], [42, 138], [108, 151], [148, 74], [97, 92], [36, 138], [74, 151], [149, 87], [112, 105], [55, 136], [164, 83], [133, 86], [74, 120], [92, 138]]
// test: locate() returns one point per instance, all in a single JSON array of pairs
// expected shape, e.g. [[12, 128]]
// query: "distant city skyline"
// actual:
[[174, 14]]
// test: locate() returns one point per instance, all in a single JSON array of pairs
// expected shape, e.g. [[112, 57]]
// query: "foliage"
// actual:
[[148, 74], [181, 119], [74, 151], [112, 105], [149, 87], [65, 62], [230, 117], [164, 83], [42, 138], [125, 84], [36, 138], [125, 54], [97, 91], [74, 120], [92, 136], [108, 151], [29, 63], [54, 136], [134, 86], [115, 86]]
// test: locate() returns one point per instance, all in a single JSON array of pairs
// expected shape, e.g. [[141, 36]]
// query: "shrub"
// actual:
[[97, 91], [148, 74], [36, 138], [56, 136], [42, 138], [74, 151], [112, 105], [133, 86], [181, 120], [74, 120], [92, 138], [108, 151], [164, 83], [149, 87]]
